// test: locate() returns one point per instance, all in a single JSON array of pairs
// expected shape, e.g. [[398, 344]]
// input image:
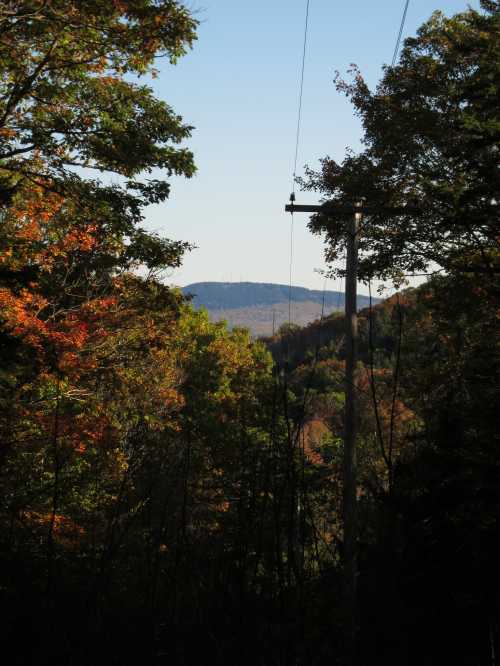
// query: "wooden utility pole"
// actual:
[[350, 522], [350, 519]]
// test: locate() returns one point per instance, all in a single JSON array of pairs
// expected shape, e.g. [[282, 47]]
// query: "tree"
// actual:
[[85, 344], [432, 139], [70, 102], [435, 539], [67, 242], [63, 91]]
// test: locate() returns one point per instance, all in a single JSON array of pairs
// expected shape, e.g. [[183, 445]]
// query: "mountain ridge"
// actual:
[[263, 307], [236, 295]]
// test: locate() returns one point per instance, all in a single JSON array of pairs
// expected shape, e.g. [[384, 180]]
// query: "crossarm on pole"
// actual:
[[335, 209]]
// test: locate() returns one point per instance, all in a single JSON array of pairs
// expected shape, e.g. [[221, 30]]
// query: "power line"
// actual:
[[301, 90], [298, 128], [297, 143], [400, 34]]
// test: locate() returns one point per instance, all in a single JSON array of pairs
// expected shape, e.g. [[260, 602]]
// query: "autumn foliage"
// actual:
[[171, 490]]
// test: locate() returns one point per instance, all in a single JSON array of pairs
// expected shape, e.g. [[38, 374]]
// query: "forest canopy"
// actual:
[[171, 491]]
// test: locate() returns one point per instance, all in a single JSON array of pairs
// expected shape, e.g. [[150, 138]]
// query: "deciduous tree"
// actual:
[[431, 140]]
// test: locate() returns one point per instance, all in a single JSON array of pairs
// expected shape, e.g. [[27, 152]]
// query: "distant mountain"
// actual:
[[229, 295], [264, 306]]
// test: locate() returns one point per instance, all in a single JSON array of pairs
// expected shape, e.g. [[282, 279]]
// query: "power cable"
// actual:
[[400, 34], [297, 144], [301, 91], [386, 455]]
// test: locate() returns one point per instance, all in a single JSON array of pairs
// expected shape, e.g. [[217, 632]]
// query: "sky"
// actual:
[[239, 88]]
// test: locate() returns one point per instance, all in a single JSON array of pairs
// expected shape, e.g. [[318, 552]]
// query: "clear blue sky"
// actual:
[[239, 88]]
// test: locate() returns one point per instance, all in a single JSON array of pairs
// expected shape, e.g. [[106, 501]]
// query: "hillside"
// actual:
[[264, 306]]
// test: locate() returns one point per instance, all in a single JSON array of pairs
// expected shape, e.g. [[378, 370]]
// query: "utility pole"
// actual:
[[349, 508], [350, 518], [349, 511]]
